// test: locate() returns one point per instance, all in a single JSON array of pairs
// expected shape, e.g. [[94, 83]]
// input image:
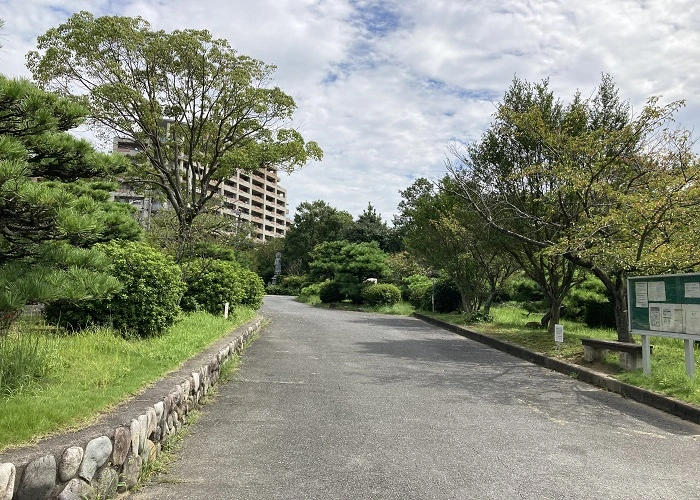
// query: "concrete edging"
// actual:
[[675, 407]]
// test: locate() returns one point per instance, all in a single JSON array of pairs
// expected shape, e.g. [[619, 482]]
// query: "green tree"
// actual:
[[348, 265], [314, 223], [52, 210], [196, 109], [588, 182], [369, 227], [447, 237], [210, 235]]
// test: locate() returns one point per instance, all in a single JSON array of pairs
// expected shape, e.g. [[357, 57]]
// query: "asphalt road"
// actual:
[[331, 404]]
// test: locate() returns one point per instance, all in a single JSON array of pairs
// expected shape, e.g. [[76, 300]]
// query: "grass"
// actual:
[[667, 361], [93, 371]]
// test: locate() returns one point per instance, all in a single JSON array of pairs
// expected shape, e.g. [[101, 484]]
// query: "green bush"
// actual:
[[288, 285], [599, 315], [417, 285], [477, 317], [311, 290], [211, 283], [382, 294], [253, 288], [330, 292], [147, 304]]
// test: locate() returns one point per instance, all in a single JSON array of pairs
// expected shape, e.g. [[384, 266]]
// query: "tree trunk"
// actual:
[[616, 286], [553, 315]]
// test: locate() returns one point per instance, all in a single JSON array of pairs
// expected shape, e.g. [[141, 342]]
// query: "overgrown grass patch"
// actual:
[[95, 370], [667, 361]]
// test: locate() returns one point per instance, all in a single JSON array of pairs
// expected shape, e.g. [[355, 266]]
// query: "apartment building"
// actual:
[[255, 197]]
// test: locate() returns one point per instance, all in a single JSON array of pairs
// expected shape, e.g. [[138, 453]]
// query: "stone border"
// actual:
[[675, 407], [112, 462]]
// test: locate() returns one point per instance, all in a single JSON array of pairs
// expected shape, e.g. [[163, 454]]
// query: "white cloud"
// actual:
[[384, 86]]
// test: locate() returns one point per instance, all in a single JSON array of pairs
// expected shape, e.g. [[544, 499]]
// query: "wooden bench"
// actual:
[[630, 354]]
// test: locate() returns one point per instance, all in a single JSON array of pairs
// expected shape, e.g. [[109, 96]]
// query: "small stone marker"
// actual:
[[559, 333]]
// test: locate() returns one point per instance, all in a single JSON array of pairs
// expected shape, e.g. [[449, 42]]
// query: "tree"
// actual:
[[314, 223], [348, 265], [52, 210], [211, 235], [196, 109], [587, 182], [446, 237], [369, 227]]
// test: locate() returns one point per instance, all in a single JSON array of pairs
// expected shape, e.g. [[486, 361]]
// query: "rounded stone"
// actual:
[[69, 463], [147, 452], [76, 489], [122, 443], [131, 472], [159, 407], [38, 480], [152, 421], [143, 429], [97, 452], [196, 381], [135, 429], [106, 482], [7, 481]]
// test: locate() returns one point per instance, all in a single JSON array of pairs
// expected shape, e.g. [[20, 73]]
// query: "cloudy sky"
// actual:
[[385, 86]]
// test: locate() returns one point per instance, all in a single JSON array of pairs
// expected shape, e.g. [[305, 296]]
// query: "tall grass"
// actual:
[[24, 359], [97, 369]]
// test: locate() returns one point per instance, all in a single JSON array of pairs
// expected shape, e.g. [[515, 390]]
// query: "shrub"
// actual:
[[417, 285], [330, 292], [288, 285], [477, 317], [253, 288], [311, 290], [599, 314], [382, 294], [211, 283], [148, 302]]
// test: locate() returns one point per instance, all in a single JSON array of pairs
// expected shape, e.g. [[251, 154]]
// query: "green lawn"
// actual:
[[95, 370], [667, 361]]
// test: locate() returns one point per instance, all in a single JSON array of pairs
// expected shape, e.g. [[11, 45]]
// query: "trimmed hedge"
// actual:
[[382, 294]]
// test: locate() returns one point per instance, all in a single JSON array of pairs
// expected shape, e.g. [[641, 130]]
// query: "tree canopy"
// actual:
[[588, 182], [314, 223], [196, 109]]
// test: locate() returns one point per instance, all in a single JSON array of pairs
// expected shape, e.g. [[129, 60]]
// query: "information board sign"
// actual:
[[665, 305]]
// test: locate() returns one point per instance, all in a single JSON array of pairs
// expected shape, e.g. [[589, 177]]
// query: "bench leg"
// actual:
[[629, 361], [591, 353]]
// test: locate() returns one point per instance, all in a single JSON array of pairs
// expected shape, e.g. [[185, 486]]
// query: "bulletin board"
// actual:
[[666, 305]]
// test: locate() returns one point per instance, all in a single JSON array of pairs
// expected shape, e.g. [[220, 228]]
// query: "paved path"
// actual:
[[332, 404]]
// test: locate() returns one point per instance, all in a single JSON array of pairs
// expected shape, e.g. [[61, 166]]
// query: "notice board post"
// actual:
[[665, 306]]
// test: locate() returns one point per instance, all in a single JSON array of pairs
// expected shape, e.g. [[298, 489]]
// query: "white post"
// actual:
[[226, 310], [646, 354], [689, 358]]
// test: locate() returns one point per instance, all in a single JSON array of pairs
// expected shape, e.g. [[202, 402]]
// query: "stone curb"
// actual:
[[108, 457], [675, 407]]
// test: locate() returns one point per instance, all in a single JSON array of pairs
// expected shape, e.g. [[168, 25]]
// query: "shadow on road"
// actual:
[[473, 371]]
